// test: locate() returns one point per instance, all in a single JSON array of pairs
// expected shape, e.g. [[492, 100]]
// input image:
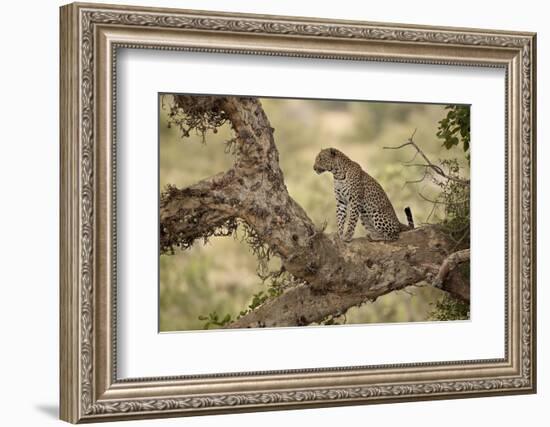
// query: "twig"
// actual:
[[416, 181], [456, 202], [430, 200], [428, 165], [459, 241], [412, 160], [431, 213]]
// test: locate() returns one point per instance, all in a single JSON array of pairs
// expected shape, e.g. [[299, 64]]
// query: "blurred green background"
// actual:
[[220, 276]]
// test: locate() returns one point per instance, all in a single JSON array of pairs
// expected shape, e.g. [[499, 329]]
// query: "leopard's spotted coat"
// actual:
[[360, 196]]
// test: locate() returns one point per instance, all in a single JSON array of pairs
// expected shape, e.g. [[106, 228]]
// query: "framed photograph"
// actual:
[[266, 212]]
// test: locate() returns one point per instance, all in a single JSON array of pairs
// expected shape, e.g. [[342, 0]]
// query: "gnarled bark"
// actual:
[[335, 275]]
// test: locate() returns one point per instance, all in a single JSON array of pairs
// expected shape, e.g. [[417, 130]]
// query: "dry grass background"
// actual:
[[221, 275]]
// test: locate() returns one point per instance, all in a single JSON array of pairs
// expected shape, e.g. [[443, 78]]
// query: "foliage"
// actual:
[[455, 193], [455, 127], [334, 320], [454, 200], [278, 281], [213, 320], [257, 246], [275, 289], [171, 238], [194, 113], [258, 299], [449, 308]]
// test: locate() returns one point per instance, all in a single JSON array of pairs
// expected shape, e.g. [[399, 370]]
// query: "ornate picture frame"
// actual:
[[90, 37]]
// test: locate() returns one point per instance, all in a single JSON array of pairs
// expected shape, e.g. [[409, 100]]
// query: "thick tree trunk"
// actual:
[[336, 275]]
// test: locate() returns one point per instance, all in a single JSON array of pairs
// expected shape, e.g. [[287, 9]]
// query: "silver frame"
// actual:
[[90, 36]]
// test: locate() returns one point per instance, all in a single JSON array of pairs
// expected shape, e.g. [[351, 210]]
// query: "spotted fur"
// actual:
[[360, 196]]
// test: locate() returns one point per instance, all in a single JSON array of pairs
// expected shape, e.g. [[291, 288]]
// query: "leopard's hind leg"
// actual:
[[372, 234]]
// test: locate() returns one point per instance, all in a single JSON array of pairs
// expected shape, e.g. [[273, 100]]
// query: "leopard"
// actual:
[[360, 196]]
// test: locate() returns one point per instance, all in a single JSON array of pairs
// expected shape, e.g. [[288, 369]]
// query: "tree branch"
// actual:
[[365, 271], [198, 211], [450, 263]]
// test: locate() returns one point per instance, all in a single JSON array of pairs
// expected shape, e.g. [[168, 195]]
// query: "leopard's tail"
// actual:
[[409, 215]]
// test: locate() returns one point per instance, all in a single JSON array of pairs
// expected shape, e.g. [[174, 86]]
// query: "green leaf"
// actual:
[[454, 129]]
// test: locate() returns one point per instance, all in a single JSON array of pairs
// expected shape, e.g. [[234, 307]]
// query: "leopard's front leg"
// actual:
[[352, 221], [341, 208]]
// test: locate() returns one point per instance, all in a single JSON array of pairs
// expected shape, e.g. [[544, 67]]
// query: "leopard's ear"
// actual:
[[332, 152]]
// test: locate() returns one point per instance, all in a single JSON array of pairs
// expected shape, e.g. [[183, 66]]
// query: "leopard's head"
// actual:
[[326, 160]]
